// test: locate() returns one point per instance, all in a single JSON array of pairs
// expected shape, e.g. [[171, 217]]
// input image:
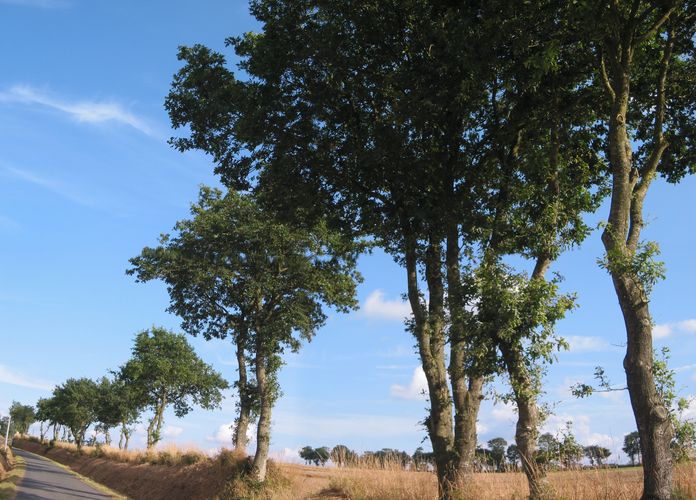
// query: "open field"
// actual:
[[356, 484], [173, 473]]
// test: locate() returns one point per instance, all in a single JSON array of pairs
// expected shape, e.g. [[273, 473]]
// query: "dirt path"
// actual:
[[45, 480]]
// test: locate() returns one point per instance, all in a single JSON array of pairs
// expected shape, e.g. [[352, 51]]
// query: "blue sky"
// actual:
[[87, 180]]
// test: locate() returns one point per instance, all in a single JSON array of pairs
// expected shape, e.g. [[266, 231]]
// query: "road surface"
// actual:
[[45, 480]]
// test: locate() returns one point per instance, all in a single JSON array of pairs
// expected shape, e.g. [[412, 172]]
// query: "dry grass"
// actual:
[[371, 484], [173, 473], [8, 485]]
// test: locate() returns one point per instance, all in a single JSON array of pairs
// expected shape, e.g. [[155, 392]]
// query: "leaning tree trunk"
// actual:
[[621, 240], [263, 431], [241, 424]]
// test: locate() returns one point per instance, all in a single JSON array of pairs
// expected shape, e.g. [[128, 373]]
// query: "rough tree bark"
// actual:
[[241, 424], [621, 239], [263, 431], [453, 437]]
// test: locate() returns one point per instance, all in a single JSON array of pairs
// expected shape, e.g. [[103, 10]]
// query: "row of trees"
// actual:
[[455, 135], [562, 451], [163, 371]]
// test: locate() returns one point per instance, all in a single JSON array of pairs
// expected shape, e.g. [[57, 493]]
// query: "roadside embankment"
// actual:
[[166, 474]]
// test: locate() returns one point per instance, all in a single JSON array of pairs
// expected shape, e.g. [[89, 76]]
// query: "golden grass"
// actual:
[[372, 484], [188, 473]]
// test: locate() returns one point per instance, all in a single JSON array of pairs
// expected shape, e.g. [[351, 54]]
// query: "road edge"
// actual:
[[91, 482]]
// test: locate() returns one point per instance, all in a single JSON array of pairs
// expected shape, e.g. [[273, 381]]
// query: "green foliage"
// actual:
[[76, 406], [318, 456], [596, 454], [22, 416], [631, 446], [640, 265], [497, 448], [165, 371]]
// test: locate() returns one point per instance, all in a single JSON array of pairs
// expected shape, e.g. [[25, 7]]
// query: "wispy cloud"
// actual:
[[664, 330], [9, 376], [8, 223], [59, 188], [579, 343], [376, 306], [81, 111], [42, 4], [172, 431], [416, 389]]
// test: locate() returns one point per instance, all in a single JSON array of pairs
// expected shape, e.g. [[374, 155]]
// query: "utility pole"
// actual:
[[7, 431]]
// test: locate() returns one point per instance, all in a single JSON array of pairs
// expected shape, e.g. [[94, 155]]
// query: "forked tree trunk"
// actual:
[[241, 425], [453, 439], [263, 431], [466, 390], [621, 239]]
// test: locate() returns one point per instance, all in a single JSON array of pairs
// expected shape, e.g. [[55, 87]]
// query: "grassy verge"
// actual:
[[93, 484], [8, 486]]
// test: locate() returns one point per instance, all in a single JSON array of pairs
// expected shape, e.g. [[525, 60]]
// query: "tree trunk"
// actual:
[[652, 418], [527, 429], [155, 427], [241, 425], [466, 397], [621, 238], [263, 431], [429, 333]]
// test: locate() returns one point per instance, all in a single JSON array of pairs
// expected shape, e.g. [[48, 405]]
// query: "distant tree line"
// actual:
[[552, 452], [163, 371]]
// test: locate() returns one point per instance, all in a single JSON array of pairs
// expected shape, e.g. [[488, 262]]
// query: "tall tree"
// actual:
[[165, 371], [644, 52], [269, 282], [411, 137]]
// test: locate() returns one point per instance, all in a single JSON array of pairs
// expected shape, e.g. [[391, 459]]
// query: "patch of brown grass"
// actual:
[[371, 484]]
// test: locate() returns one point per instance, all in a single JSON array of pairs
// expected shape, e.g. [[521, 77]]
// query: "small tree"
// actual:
[[165, 371], [513, 456], [76, 405], [632, 446], [22, 416], [596, 454], [497, 448]]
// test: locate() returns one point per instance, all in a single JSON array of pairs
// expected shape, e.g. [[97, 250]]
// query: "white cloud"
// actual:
[[579, 343], [334, 429], [8, 376], [287, 455], [375, 306], [664, 330], [172, 431], [688, 325], [417, 389], [81, 111], [481, 428], [223, 435], [506, 412], [581, 429]]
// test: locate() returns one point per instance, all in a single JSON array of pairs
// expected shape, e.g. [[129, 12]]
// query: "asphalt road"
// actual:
[[45, 480]]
